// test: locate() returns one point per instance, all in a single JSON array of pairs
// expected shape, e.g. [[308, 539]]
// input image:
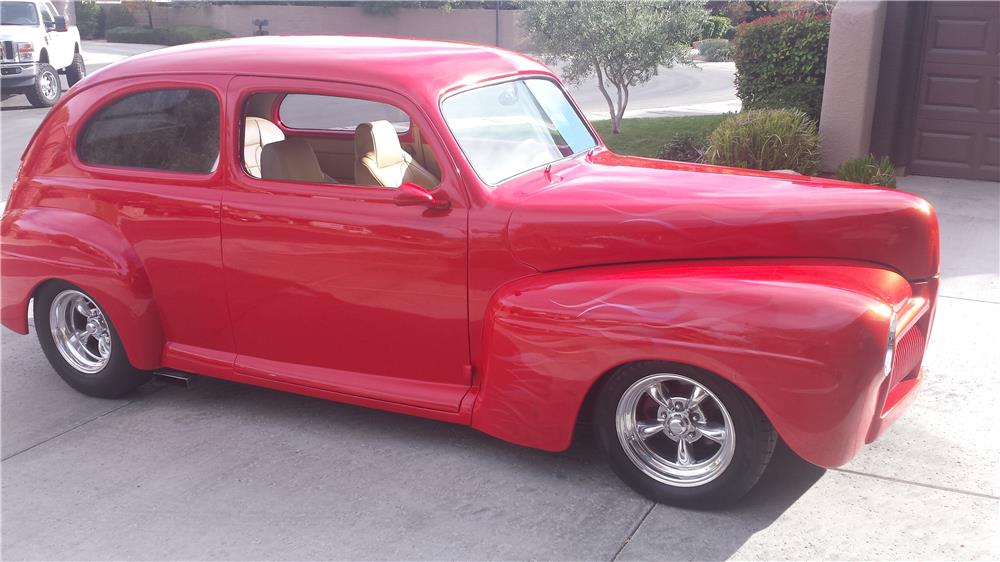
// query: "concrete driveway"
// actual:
[[232, 472], [225, 471]]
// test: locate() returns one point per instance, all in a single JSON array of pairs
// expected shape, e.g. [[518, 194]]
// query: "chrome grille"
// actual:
[[908, 355]]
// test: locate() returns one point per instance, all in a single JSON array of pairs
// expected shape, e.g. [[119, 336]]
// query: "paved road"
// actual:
[[18, 119], [687, 90], [225, 471]]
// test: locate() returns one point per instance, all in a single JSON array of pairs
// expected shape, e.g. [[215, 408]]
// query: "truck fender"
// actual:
[[42, 244], [805, 342]]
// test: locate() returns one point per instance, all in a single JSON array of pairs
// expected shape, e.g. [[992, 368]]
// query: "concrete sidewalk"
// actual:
[[232, 472]]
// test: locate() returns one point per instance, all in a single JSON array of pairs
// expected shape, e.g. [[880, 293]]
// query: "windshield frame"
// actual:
[[598, 143], [34, 7]]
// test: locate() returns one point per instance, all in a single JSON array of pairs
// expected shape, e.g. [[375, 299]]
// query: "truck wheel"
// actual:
[[682, 436], [81, 343], [46, 90], [76, 71]]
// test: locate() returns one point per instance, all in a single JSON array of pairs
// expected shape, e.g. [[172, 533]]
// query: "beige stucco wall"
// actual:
[[852, 69], [471, 25]]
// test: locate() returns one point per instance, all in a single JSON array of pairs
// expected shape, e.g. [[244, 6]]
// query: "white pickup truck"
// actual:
[[38, 46]]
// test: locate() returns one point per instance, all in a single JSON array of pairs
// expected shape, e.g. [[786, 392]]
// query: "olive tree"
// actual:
[[623, 42]]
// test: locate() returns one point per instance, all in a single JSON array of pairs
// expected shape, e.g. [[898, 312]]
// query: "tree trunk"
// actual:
[[615, 123], [622, 103], [149, 15]]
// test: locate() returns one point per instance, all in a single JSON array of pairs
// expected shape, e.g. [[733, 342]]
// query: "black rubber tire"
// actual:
[[76, 71], [117, 378], [755, 439], [34, 92]]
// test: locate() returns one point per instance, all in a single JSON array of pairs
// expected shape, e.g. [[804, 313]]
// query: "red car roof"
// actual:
[[421, 68]]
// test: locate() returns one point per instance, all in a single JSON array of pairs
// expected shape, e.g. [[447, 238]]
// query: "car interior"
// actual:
[[350, 148]]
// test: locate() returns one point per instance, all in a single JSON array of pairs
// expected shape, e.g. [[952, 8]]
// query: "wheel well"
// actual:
[[76, 47], [43, 56], [583, 417]]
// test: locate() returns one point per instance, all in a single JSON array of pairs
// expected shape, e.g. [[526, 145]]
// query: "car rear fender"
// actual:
[[805, 341], [42, 244]]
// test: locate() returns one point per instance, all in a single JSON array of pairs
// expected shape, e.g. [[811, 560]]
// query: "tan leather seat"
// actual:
[[291, 159], [380, 161], [257, 134]]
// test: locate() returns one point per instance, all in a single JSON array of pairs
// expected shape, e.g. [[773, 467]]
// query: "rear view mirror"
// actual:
[[60, 24]]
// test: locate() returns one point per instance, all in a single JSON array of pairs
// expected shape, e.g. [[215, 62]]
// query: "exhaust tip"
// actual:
[[175, 378]]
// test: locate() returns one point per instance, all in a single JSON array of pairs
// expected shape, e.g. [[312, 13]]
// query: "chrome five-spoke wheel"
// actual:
[[80, 331], [48, 84], [675, 430], [81, 342]]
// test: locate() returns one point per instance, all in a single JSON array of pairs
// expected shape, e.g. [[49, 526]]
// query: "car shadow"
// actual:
[[541, 480], [16, 107]]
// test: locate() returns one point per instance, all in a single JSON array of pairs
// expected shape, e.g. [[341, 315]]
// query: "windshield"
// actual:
[[18, 13], [510, 128]]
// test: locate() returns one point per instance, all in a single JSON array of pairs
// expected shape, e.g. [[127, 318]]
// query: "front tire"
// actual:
[[76, 71], [47, 88], [682, 436], [82, 344]]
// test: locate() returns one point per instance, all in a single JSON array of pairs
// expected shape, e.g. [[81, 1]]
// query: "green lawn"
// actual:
[[645, 137]]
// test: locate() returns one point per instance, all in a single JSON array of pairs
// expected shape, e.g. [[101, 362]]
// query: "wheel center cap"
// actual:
[[677, 425]]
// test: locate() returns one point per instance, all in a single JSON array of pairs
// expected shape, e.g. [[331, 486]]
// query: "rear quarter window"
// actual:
[[171, 129]]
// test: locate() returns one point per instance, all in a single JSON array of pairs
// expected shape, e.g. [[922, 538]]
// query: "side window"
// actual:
[[47, 16], [331, 113], [51, 9], [334, 140], [175, 130]]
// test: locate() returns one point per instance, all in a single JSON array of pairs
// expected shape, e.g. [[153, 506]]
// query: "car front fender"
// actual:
[[41, 244], [806, 342]]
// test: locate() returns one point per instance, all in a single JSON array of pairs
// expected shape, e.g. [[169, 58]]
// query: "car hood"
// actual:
[[610, 209], [19, 33]]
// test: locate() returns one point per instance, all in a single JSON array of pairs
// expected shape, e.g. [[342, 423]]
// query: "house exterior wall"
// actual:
[[852, 75]]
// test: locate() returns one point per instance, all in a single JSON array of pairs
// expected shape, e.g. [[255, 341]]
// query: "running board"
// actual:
[[175, 378]]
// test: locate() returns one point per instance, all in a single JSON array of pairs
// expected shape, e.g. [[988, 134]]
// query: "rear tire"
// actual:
[[94, 363], [702, 443], [76, 71], [47, 88]]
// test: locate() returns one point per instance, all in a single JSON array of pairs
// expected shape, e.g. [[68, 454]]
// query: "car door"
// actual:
[[54, 40], [337, 287]]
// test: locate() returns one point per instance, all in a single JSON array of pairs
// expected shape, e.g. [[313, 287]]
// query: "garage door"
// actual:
[[957, 124]]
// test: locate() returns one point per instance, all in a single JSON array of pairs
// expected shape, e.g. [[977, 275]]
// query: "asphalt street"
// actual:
[[18, 119], [231, 472]]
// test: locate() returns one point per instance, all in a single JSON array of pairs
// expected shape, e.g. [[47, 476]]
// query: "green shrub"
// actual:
[[766, 139], [782, 59], [176, 35], [807, 98], [88, 19], [714, 27], [716, 50], [685, 148], [870, 170], [181, 34]]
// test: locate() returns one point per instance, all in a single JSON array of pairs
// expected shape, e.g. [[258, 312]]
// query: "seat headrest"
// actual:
[[261, 132], [291, 159], [378, 141]]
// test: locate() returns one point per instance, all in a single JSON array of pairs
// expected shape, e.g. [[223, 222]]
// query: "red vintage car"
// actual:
[[434, 229]]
